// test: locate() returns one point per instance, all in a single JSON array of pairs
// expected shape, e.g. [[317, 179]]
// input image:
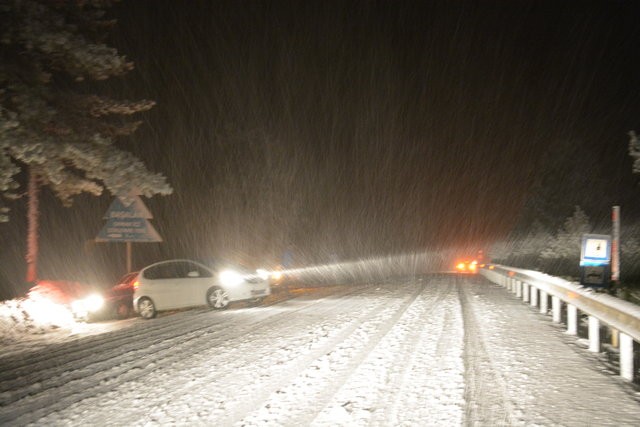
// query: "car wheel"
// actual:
[[123, 311], [256, 301], [217, 298], [146, 308]]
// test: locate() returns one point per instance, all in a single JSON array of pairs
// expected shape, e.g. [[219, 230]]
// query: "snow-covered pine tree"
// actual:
[[528, 249], [50, 122], [566, 244]]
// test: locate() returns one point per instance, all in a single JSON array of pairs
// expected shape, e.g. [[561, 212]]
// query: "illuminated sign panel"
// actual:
[[595, 250]]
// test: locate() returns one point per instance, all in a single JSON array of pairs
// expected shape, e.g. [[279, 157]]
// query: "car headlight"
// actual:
[[230, 278], [264, 274], [89, 304]]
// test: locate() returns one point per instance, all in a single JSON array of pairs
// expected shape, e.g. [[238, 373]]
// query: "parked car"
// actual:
[[80, 299], [118, 300], [182, 283]]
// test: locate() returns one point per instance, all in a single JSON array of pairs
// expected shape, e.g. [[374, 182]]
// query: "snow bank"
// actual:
[[32, 316]]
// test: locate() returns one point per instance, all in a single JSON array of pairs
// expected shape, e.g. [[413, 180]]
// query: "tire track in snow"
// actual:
[[373, 394], [296, 333], [432, 386], [34, 399], [58, 371], [77, 348], [77, 353], [224, 399], [486, 391], [83, 352], [316, 379]]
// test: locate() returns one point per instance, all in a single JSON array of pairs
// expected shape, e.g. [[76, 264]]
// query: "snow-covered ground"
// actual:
[[432, 351]]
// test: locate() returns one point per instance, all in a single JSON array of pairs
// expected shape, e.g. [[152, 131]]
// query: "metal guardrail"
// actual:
[[535, 287]]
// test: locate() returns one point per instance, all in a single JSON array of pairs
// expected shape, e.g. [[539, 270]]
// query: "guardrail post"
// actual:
[[525, 292], [534, 296], [615, 337], [594, 334], [572, 319], [556, 308], [626, 357], [518, 289], [544, 302]]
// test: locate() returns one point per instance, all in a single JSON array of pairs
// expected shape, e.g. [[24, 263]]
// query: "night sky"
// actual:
[[355, 129]]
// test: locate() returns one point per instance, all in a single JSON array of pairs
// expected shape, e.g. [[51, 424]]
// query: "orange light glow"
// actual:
[[467, 266], [136, 284]]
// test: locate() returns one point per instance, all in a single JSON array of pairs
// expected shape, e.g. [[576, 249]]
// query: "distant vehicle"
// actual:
[[468, 267], [80, 299], [276, 276], [183, 283]]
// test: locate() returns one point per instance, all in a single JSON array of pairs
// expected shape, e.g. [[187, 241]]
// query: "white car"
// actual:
[[181, 283]]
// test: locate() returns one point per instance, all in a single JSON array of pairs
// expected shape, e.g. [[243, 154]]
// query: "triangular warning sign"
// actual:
[[131, 208]]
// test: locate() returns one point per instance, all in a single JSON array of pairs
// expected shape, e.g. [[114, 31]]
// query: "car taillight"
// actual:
[[136, 285]]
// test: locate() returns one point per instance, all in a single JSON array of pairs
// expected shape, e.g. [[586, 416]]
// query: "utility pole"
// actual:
[[615, 247]]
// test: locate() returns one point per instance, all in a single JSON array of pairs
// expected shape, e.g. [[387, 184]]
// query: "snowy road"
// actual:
[[431, 351]]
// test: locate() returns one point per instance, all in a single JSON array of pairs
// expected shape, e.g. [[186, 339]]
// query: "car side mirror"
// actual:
[[193, 274]]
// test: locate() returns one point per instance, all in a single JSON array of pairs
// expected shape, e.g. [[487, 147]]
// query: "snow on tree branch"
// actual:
[[48, 122]]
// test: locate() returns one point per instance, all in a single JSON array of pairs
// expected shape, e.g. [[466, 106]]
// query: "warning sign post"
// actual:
[[128, 221], [595, 260]]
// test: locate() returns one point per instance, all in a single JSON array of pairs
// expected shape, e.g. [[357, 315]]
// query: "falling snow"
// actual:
[[348, 142]]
